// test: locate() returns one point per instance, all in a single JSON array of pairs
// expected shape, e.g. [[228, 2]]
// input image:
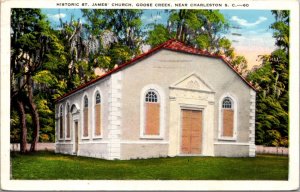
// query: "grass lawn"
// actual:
[[48, 165]]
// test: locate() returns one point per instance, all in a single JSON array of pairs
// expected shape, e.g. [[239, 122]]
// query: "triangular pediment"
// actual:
[[192, 82]]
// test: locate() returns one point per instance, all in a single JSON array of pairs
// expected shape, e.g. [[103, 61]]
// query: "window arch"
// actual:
[[151, 96], [86, 101], [228, 117], [152, 112], [98, 98], [61, 128], [227, 103], [97, 114], [85, 116], [68, 129], [74, 108]]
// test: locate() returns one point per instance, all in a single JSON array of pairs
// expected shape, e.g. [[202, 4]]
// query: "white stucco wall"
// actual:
[[90, 146]]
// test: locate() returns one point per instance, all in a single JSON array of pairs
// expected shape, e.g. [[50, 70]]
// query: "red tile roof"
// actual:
[[173, 45]]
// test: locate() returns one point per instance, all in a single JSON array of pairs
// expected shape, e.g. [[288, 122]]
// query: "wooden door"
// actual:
[[191, 135], [76, 136]]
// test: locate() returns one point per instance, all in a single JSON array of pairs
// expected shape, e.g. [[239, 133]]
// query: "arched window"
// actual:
[[85, 117], [61, 128], [227, 103], [68, 121], [152, 113], [227, 117], [97, 114]]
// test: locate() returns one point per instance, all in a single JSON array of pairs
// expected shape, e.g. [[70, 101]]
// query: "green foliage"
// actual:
[[119, 54], [45, 77], [225, 43], [203, 41], [240, 64], [76, 80], [104, 62], [118, 33], [272, 82], [29, 127], [189, 24], [281, 29], [271, 120], [15, 132], [228, 50], [61, 88], [158, 35], [47, 130], [56, 166]]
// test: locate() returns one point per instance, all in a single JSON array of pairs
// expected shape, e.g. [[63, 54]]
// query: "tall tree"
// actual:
[[31, 41], [271, 80]]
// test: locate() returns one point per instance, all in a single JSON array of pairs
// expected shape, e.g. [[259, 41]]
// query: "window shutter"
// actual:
[[98, 119], [85, 120], [61, 128], [228, 115], [152, 118], [68, 125]]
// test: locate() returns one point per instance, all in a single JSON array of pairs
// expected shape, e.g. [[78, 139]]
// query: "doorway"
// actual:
[[191, 135]]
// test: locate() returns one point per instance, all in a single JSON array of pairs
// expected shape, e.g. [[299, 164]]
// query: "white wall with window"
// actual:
[[61, 123], [227, 117], [152, 112], [97, 114], [67, 121], [85, 117]]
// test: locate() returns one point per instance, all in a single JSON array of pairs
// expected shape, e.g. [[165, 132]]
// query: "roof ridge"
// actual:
[[166, 45]]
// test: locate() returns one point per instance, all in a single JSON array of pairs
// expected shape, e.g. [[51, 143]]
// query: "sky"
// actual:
[[256, 35], [253, 26]]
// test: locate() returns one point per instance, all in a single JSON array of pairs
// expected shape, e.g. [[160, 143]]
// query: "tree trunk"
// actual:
[[22, 115], [35, 117]]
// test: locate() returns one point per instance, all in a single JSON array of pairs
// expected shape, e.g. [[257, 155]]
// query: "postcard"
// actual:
[[149, 95]]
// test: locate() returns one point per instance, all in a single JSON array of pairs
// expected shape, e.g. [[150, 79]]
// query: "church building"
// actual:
[[173, 100]]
